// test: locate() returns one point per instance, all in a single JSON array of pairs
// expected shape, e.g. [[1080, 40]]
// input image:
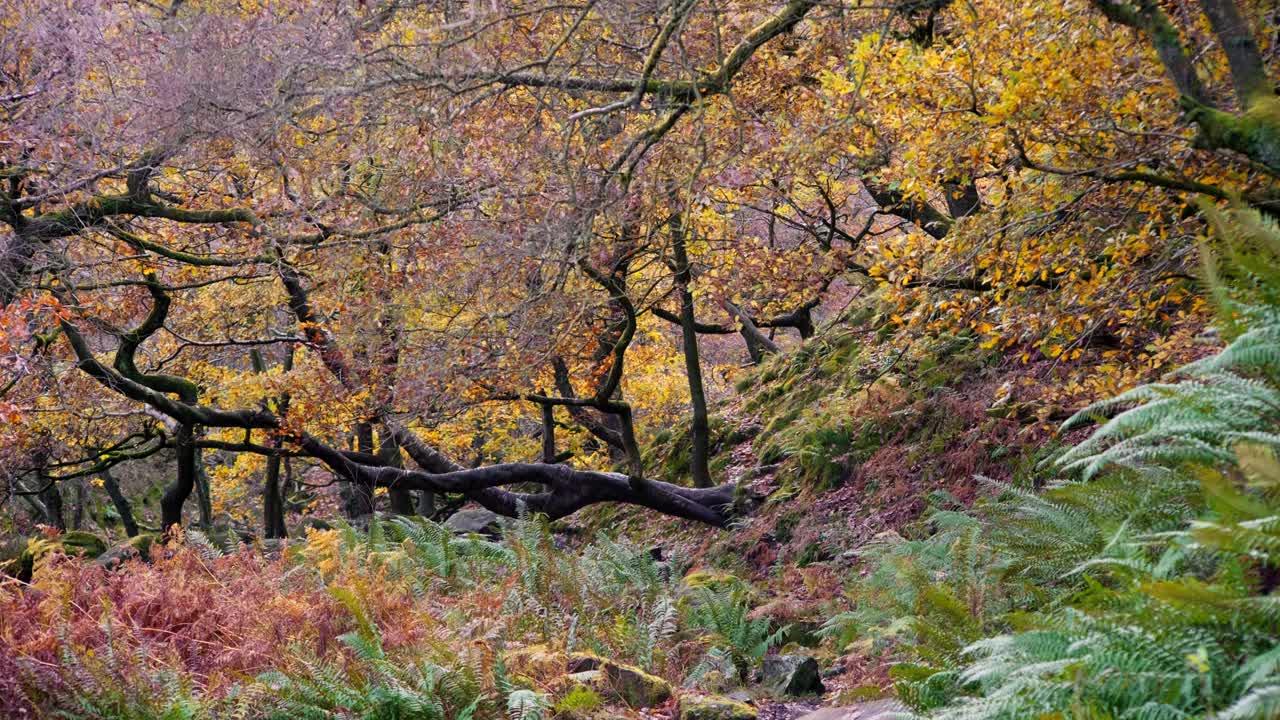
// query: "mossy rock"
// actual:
[[74, 542], [580, 702], [636, 687], [536, 661], [138, 546], [714, 707], [592, 681], [614, 680], [585, 678], [79, 542], [476, 521], [584, 661], [143, 544]]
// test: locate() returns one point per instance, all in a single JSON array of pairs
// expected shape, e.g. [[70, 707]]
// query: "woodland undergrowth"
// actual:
[[403, 619], [1136, 577]]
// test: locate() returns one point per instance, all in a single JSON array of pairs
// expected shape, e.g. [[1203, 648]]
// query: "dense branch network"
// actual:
[[615, 223]]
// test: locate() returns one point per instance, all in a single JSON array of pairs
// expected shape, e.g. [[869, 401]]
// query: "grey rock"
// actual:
[[714, 707], [874, 710], [475, 520], [791, 675]]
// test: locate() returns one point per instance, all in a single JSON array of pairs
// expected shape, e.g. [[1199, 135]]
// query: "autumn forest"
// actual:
[[648, 359]]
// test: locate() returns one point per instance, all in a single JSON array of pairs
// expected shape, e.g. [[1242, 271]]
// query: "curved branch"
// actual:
[[129, 342], [569, 490], [183, 412]]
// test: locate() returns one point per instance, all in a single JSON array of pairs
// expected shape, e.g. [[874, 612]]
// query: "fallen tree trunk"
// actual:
[[567, 489]]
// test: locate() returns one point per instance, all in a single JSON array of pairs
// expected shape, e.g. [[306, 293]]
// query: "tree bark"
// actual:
[[176, 495], [121, 503], [51, 499], [548, 432], [803, 321], [273, 525], [290, 486], [568, 490], [204, 495], [1248, 72], [758, 344], [358, 496], [918, 212], [426, 504], [389, 453], [700, 427], [77, 512], [1149, 19], [16, 257], [1255, 131], [963, 199], [272, 502], [608, 429]]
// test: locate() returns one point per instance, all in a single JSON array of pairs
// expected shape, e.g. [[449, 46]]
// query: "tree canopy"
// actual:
[[509, 242]]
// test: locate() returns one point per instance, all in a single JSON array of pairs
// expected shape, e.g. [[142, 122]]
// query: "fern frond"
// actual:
[[1260, 703]]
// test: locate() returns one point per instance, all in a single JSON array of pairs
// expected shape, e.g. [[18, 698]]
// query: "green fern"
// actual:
[[526, 705], [733, 632], [1159, 563], [1210, 405]]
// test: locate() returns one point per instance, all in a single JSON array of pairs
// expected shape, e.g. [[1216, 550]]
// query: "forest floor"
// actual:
[[858, 456]]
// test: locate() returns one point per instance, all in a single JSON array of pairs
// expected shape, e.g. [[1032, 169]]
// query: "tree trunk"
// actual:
[[389, 452], [963, 199], [548, 433], [401, 501], [1254, 132], [51, 498], [290, 487], [426, 504], [272, 493], [272, 502], [1248, 72], [693, 366], [922, 214], [358, 495], [567, 490], [608, 428], [176, 496], [804, 323], [121, 503], [77, 513], [15, 264], [204, 497]]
